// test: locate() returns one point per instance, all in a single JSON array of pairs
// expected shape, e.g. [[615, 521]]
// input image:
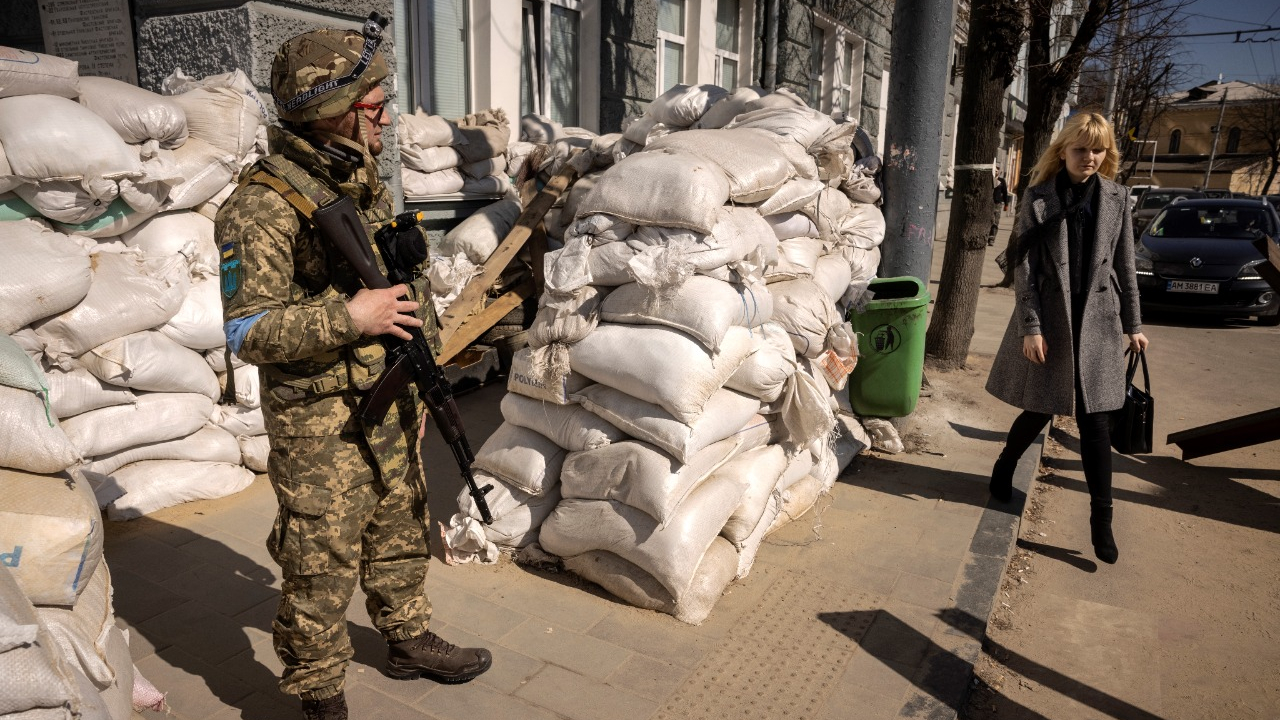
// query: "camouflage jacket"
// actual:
[[313, 361]]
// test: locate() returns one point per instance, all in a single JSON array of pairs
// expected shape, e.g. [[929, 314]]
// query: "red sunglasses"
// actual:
[[372, 106]]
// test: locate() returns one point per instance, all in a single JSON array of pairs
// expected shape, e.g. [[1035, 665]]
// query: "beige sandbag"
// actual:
[[526, 378], [727, 108], [136, 114], [23, 72], [44, 273], [417, 184], [155, 417], [801, 124], [78, 390], [152, 485], [198, 323], [702, 307], [488, 185], [33, 440], [170, 233], [129, 292], [32, 673], [239, 420], [831, 273], [780, 98], [792, 196], [517, 515], [479, 235], [792, 225], [724, 416], [771, 362], [208, 444], [797, 258], [572, 427], [151, 361], [802, 308], [659, 365], [761, 468], [118, 696], [484, 168], [429, 159], [206, 170], [481, 142], [640, 475], [222, 110], [68, 142], [50, 534], [664, 188], [863, 226], [254, 452], [426, 130], [683, 105], [750, 159], [566, 322], [81, 631], [522, 457]]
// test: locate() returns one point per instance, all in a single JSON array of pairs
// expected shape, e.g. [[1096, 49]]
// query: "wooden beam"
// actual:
[[472, 296], [1270, 270], [479, 323], [1231, 434]]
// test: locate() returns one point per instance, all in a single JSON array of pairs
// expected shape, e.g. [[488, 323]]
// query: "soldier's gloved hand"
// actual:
[[382, 312], [406, 250]]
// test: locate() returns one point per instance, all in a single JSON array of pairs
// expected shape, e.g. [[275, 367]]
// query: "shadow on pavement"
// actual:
[[973, 433], [918, 483], [1070, 557], [1203, 492]]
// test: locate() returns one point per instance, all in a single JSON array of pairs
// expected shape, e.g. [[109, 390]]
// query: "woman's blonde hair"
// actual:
[[1086, 128]]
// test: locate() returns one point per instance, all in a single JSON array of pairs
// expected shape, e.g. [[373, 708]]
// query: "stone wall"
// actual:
[[628, 59], [21, 27]]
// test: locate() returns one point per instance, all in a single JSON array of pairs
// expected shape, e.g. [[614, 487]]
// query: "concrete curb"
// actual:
[[942, 685]]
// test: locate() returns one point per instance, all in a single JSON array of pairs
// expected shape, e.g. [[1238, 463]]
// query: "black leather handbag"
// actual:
[[1132, 426]]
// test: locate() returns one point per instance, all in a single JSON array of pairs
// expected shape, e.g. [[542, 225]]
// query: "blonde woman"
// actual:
[[1076, 303]]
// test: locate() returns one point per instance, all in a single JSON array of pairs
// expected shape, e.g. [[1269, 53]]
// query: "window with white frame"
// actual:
[[671, 44], [817, 43], [550, 80], [440, 83], [728, 28], [835, 68]]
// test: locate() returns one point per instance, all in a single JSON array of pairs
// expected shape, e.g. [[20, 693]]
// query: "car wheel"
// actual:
[[1269, 320]]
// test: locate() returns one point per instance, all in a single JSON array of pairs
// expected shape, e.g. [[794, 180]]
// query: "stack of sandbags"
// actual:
[[698, 308], [119, 311], [467, 155]]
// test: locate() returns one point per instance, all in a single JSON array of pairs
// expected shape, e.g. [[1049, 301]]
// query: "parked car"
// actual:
[[1135, 192], [1154, 200], [1198, 256], [1218, 193]]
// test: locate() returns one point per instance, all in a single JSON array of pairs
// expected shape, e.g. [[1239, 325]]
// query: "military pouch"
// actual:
[[367, 363], [289, 388]]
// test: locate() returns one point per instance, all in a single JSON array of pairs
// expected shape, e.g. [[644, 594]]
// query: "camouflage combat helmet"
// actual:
[[319, 74]]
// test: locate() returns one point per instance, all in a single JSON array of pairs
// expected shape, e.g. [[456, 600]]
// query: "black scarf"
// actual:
[[1070, 205]]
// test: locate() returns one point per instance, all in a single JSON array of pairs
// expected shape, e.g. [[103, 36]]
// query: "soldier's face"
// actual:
[[373, 127]]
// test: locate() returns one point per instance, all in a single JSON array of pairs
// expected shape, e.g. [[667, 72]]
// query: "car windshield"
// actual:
[[1157, 200], [1211, 222]]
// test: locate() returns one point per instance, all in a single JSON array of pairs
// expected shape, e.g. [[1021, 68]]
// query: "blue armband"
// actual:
[[235, 330]]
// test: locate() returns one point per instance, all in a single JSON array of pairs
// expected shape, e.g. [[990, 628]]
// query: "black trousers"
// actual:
[[1095, 446]]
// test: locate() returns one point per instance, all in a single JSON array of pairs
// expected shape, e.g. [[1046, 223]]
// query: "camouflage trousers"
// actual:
[[339, 523]]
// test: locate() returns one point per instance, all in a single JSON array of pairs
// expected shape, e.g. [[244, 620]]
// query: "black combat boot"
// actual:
[[330, 708], [1104, 543], [428, 655], [1002, 479]]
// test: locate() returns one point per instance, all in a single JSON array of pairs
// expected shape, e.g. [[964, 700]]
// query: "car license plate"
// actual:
[[1187, 286]]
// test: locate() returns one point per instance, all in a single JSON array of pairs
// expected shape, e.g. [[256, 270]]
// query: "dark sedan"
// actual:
[[1198, 256]]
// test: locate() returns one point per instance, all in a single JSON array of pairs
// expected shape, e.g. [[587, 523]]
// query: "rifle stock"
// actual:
[[408, 362]]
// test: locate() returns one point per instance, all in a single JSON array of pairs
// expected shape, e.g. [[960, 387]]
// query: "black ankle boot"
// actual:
[[332, 708], [1002, 479], [1104, 543]]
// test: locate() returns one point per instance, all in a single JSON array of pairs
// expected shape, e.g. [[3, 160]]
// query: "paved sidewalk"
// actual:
[[871, 606]]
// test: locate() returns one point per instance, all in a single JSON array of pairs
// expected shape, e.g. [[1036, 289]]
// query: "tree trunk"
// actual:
[[995, 35]]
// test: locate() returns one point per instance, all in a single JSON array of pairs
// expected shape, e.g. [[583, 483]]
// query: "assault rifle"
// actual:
[[408, 361]]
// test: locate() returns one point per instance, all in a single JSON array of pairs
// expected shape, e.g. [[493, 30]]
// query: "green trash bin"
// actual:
[[890, 332]]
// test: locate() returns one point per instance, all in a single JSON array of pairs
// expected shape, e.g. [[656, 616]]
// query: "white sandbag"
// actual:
[[217, 360], [683, 105], [426, 130], [862, 226], [792, 225], [254, 452], [640, 475], [798, 467], [797, 500], [572, 427], [429, 159], [208, 444], [479, 235], [664, 188], [749, 548], [539, 129], [831, 273], [155, 417], [49, 138], [740, 241], [23, 72], [518, 154], [69, 200], [443, 182], [669, 553], [198, 323], [526, 378], [521, 457], [863, 263], [792, 196], [222, 110], [488, 185], [634, 586], [780, 98], [802, 308], [32, 673], [609, 265], [50, 534], [239, 420], [725, 415], [205, 169], [566, 321], [170, 233], [136, 114], [248, 386], [33, 440], [484, 168], [517, 515], [44, 273], [772, 360], [761, 469], [828, 212], [797, 258], [802, 163], [80, 632], [481, 142], [884, 436], [727, 108], [750, 159], [130, 292], [77, 391], [448, 277], [151, 485], [659, 365], [118, 696], [702, 307], [151, 361], [801, 124]]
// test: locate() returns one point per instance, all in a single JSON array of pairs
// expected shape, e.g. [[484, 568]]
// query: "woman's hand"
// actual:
[[1035, 349], [1138, 342]]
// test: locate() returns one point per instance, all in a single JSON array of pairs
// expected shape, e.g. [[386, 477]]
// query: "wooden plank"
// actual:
[[478, 324], [471, 297], [1231, 434], [1270, 270]]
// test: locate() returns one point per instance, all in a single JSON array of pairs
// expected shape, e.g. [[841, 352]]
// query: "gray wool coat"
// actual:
[[1043, 307]]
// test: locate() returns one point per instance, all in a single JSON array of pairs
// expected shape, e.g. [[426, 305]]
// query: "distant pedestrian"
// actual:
[[1076, 296], [1000, 203]]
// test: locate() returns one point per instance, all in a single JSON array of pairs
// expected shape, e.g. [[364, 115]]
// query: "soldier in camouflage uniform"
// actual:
[[352, 498]]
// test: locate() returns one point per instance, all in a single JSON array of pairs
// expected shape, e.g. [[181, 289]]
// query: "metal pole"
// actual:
[[1217, 130], [922, 31], [1113, 75], [771, 46]]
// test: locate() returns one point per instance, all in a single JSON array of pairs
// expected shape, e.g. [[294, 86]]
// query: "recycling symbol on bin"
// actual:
[[885, 339]]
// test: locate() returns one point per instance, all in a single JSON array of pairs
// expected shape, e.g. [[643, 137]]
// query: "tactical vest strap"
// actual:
[[295, 185]]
